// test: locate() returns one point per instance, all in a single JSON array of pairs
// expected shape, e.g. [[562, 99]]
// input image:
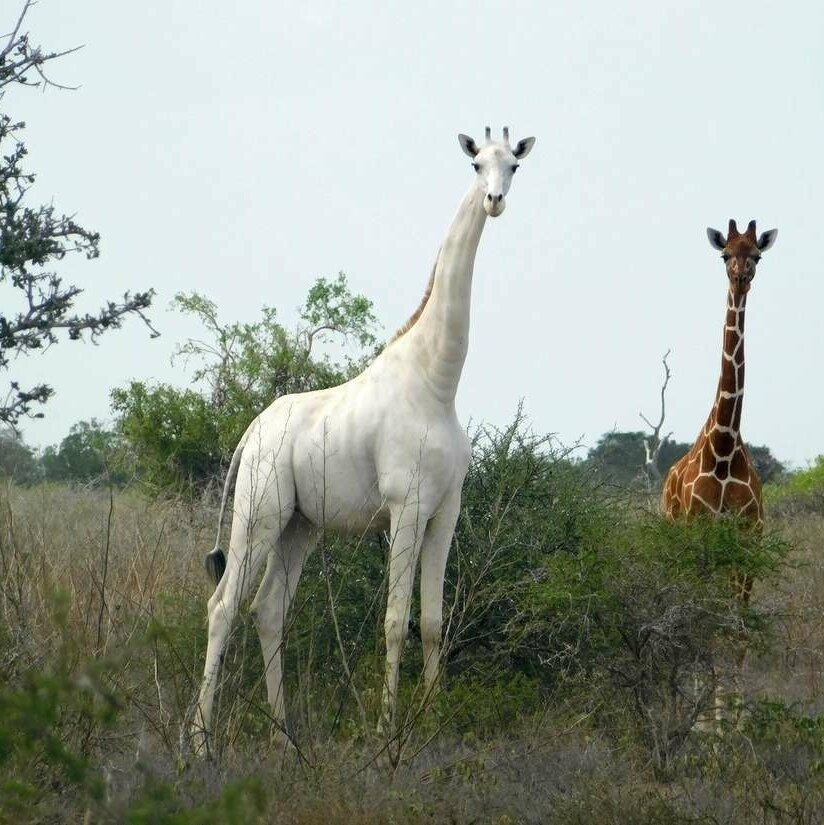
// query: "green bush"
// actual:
[[789, 741], [484, 708], [172, 437], [801, 492], [523, 501], [181, 440], [639, 616], [48, 719]]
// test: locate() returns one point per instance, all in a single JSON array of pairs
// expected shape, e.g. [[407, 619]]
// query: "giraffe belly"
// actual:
[[343, 496]]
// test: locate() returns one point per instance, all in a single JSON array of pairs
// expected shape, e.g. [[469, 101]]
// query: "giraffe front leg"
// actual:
[[407, 529], [434, 554]]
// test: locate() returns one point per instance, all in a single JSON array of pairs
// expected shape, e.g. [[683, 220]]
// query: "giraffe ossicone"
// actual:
[[382, 451]]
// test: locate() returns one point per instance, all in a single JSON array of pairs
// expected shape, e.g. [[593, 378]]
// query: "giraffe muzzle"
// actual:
[[494, 205]]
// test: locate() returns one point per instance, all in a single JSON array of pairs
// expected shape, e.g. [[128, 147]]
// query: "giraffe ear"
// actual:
[[767, 239], [468, 145], [523, 147], [717, 240]]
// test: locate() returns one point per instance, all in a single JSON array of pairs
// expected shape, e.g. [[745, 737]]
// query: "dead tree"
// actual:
[[653, 442]]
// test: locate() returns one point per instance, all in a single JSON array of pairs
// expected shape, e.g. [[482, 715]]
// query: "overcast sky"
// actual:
[[243, 149]]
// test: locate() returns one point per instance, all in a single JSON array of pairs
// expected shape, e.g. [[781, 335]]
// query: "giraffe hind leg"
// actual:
[[271, 606], [265, 501]]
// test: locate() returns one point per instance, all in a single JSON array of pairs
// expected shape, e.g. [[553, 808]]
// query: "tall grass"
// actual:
[[103, 599]]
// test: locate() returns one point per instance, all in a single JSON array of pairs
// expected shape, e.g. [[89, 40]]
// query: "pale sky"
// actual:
[[243, 149]]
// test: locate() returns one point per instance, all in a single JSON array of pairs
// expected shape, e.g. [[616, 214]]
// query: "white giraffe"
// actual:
[[382, 451]]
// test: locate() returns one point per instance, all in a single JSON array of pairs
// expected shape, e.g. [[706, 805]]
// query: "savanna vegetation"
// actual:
[[584, 638]]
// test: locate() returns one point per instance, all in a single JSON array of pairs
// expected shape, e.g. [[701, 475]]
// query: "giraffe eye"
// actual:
[[476, 167], [725, 257], [755, 258]]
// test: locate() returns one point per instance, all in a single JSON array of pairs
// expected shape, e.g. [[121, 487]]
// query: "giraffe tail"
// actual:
[[216, 564], [216, 559]]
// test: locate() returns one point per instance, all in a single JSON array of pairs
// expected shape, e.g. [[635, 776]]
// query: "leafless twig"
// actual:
[[19, 56], [652, 444]]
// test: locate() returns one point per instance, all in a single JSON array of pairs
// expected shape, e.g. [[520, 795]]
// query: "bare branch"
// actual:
[[19, 56], [652, 444], [13, 36]]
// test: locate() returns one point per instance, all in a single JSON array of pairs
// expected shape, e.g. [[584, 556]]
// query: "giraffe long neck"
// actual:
[[440, 337], [729, 399]]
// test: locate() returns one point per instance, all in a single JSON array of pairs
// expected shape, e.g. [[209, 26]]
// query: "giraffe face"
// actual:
[[741, 259], [495, 165], [741, 253]]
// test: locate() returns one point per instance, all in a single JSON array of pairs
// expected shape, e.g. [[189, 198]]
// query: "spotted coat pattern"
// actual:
[[717, 476]]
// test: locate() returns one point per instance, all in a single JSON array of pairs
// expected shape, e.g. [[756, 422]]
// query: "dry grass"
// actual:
[[114, 556], [794, 669], [131, 571], [91, 577]]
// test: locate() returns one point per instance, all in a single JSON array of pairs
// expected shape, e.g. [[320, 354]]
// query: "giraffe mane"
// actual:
[[413, 319]]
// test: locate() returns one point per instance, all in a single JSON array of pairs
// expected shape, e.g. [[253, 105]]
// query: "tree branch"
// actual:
[[27, 57], [32, 237], [652, 444]]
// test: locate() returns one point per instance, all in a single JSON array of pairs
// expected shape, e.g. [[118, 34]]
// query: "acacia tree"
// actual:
[[247, 365], [37, 304]]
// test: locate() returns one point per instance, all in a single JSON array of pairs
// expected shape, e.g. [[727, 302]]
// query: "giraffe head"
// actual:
[[495, 163], [741, 253]]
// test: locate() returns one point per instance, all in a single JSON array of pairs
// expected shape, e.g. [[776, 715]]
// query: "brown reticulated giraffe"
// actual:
[[717, 476]]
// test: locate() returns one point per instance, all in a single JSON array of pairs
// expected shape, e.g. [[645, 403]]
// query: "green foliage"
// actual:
[[798, 492], [523, 501], [88, 453], [810, 480], [46, 715], [774, 720], [639, 616], [17, 461], [172, 437], [483, 707], [331, 308], [180, 439], [246, 366], [239, 803]]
